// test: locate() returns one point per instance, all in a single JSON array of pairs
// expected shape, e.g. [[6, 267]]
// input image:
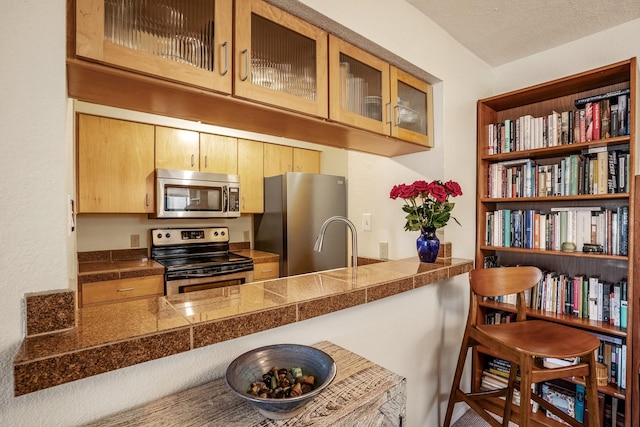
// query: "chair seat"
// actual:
[[542, 339]]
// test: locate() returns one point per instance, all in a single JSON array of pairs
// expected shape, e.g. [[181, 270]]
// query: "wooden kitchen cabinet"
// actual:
[[360, 95], [120, 289], [280, 59], [182, 149], [280, 159], [115, 166], [188, 42], [266, 270], [412, 108], [177, 149], [218, 154], [306, 160], [250, 170], [367, 92]]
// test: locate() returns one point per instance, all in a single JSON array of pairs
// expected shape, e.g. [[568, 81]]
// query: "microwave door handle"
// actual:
[[225, 199]]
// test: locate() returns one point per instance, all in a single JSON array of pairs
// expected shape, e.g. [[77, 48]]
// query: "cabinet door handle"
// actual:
[[206, 161], [125, 289], [146, 199], [193, 159], [396, 110], [388, 112], [245, 53], [225, 45]]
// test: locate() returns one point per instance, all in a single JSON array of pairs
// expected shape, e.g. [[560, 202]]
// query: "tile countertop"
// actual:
[[113, 336]]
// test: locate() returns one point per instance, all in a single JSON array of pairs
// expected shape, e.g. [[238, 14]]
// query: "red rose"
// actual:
[[421, 186], [407, 191], [438, 192], [395, 192], [453, 188]]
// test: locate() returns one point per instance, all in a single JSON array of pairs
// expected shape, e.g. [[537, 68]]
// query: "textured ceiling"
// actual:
[[500, 31]]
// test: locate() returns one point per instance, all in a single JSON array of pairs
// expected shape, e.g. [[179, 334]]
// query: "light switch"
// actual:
[[366, 222]]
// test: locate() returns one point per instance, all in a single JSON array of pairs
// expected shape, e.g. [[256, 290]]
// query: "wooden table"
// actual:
[[362, 394]]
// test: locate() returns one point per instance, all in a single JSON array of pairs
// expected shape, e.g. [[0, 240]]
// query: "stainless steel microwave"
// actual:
[[187, 194]]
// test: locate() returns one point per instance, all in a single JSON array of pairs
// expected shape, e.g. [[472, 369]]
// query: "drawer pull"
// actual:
[[125, 289], [266, 271]]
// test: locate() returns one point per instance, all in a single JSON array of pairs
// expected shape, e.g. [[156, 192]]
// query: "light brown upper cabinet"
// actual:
[[189, 150], [177, 149], [360, 94], [115, 166], [412, 114], [306, 160], [250, 170], [280, 59], [218, 154], [279, 159], [368, 93], [184, 41]]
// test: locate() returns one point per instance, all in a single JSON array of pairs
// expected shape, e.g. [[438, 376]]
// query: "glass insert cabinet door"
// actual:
[[280, 59], [412, 116], [183, 40], [360, 94]]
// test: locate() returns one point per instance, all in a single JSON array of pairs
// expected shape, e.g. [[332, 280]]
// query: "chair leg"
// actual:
[[513, 373], [592, 392], [526, 365], [455, 386]]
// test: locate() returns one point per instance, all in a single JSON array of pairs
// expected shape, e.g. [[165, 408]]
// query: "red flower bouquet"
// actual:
[[427, 204]]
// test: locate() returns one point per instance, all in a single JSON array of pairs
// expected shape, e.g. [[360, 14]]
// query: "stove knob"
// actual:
[[215, 233], [168, 235], [222, 233], [159, 236]]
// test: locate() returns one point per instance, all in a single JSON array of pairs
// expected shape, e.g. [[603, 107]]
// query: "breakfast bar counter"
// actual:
[[362, 394], [113, 336]]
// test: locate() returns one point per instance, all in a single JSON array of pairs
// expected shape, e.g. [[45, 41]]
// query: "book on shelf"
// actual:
[[581, 225], [598, 170], [560, 397]]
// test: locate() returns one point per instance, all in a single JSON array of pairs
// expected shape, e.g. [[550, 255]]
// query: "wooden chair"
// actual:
[[522, 343]]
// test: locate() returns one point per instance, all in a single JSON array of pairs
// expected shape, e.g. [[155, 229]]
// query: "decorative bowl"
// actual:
[[250, 366]]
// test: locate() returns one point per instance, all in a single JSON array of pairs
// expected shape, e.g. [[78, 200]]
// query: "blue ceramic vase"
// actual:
[[428, 245]]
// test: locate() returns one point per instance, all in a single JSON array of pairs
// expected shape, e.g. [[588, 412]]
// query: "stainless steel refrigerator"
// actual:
[[295, 206]]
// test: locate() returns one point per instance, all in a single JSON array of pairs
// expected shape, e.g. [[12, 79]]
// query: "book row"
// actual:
[[589, 228], [603, 170], [569, 397], [597, 117], [576, 295]]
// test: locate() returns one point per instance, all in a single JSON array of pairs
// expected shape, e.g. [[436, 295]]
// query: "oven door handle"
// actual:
[[196, 275]]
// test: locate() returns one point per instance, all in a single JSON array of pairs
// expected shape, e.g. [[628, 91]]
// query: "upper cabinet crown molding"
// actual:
[[275, 80]]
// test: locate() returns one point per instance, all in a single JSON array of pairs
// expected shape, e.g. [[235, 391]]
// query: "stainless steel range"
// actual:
[[198, 258]]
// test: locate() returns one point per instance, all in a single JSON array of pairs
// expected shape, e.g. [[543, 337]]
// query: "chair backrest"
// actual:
[[493, 282]]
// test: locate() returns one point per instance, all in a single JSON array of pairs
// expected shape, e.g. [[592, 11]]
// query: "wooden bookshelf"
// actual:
[[540, 101]]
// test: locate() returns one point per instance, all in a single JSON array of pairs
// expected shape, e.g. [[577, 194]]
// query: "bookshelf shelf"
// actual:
[[506, 140], [560, 150], [585, 197], [555, 253]]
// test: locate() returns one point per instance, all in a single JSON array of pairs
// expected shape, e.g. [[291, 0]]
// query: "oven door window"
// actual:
[[178, 198]]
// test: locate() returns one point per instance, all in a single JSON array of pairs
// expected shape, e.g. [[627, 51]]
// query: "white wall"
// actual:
[[415, 334]]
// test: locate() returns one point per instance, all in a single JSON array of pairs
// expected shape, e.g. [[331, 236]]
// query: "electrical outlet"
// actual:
[[135, 240], [247, 236], [366, 222], [384, 250]]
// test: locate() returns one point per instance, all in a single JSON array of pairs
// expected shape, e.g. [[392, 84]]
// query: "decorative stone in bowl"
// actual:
[[252, 365]]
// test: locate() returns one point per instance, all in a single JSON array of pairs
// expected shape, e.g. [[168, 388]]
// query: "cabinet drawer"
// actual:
[[267, 270], [115, 290]]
